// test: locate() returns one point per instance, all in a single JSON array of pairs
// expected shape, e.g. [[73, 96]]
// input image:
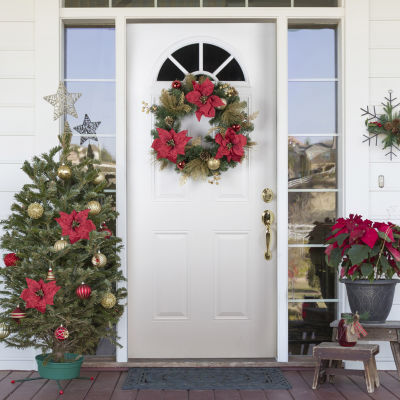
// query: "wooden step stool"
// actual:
[[329, 356]]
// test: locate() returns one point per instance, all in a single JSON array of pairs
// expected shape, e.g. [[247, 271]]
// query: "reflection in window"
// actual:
[[312, 162], [86, 3], [315, 3], [133, 3], [223, 3], [215, 61], [178, 3]]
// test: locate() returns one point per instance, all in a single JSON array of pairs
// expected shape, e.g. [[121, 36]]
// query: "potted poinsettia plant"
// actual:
[[368, 254]]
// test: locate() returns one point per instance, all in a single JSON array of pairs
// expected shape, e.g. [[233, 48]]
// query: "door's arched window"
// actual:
[[198, 58]]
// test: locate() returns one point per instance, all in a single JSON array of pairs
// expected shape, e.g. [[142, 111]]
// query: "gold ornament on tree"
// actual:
[[60, 244], [213, 163], [35, 210], [4, 331], [108, 300], [99, 178], [50, 275], [64, 172], [223, 106], [99, 260], [94, 207]]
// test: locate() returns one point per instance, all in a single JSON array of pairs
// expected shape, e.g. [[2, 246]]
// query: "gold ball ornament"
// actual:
[[99, 260], [108, 300], [213, 164], [100, 178], [35, 210], [4, 331], [94, 207], [64, 172], [60, 244], [223, 106]]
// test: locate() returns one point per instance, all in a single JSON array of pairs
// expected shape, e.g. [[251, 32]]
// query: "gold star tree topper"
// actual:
[[63, 101]]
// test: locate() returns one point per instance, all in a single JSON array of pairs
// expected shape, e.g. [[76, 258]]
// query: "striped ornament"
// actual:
[[18, 314], [83, 291]]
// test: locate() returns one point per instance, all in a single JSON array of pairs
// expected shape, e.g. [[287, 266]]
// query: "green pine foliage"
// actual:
[[33, 239]]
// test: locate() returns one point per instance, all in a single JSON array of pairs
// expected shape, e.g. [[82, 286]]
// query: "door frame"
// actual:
[[352, 20]]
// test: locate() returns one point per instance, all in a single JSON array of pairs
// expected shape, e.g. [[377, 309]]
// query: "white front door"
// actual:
[[198, 283]]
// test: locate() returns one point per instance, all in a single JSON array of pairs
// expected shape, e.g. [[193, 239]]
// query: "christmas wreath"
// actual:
[[223, 146]]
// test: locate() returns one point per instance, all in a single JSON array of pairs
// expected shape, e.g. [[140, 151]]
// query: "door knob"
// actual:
[[267, 195], [267, 218]]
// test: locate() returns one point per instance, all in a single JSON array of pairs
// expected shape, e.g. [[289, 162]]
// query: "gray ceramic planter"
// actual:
[[374, 298]]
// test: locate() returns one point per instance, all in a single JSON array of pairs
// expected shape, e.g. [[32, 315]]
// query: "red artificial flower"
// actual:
[[39, 294], [170, 144], [202, 97], [75, 225], [230, 145], [10, 259]]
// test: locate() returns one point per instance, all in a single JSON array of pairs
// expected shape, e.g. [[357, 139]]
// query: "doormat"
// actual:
[[205, 378]]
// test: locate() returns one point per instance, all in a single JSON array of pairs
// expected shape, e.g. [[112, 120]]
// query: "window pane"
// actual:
[[133, 3], [309, 277], [312, 162], [312, 53], [178, 3], [85, 3], [312, 107], [169, 72], [103, 150], [315, 3], [90, 53], [213, 57], [188, 57], [269, 3], [309, 325], [310, 216], [97, 101], [231, 72], [223, 3]]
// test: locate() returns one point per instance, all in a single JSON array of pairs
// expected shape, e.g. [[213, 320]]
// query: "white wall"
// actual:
[[17, 122], [384, 67]]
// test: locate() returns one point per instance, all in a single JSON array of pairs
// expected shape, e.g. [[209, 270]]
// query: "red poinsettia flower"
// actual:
[[170, 144], [39, 294], [230, 145], [75, 225], [10, 259], [202, 97]]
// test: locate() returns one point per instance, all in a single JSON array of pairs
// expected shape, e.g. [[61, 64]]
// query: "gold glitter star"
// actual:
[[63, 101]]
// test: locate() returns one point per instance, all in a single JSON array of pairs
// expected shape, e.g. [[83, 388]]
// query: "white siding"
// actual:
[[384, 75], [17, 83]]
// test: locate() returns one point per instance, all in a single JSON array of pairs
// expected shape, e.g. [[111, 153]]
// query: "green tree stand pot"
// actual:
[[372, 300], [60, 370]]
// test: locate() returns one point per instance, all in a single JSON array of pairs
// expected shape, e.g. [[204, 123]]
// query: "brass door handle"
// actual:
[[267, 219]]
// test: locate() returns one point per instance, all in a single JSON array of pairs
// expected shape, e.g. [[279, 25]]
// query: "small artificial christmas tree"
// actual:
[[61, 273]]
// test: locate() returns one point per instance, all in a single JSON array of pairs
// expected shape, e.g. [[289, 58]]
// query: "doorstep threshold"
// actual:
[[104, 362]]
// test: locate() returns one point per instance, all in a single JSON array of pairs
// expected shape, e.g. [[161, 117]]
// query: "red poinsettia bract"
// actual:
[[76, 225], [39, 294], [202, 97], [170, 144], [230, 145]]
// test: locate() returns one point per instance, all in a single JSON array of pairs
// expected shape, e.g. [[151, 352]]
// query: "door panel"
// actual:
[[199, 285]]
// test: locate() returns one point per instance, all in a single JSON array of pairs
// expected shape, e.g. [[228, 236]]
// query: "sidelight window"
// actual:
[[312, 184]]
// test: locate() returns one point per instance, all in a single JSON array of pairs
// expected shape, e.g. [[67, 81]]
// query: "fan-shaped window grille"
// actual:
[[199, 58]]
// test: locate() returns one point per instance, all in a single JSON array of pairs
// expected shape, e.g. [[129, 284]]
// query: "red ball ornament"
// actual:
[[104, 228], [61, 333], [236, 127], [17, 315], [83, 291], [10, 259], [181, 164], [176, 84]]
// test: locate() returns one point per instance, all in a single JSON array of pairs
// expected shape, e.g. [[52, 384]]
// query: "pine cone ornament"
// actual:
[[108, 300], [35, 210], [205, 156], [83, 291], [61, 333], [388, 126], [169, 121]]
